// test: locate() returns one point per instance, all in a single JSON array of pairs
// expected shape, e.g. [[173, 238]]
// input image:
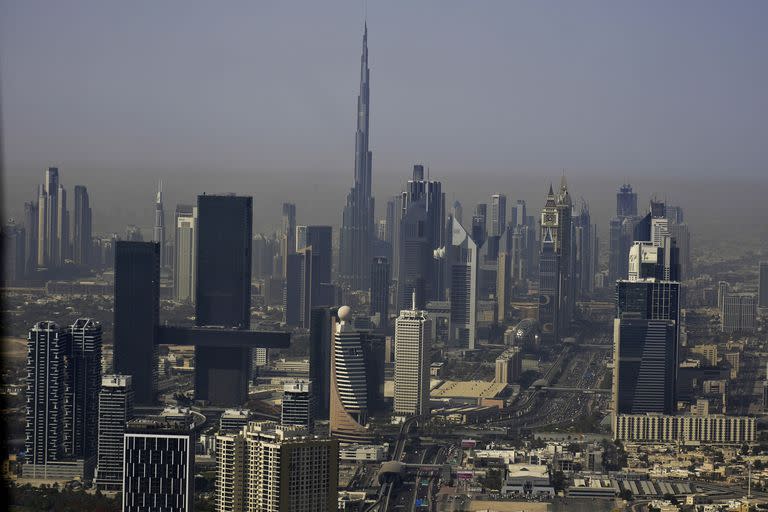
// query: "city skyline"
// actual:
[[553, 289], [501, 152]]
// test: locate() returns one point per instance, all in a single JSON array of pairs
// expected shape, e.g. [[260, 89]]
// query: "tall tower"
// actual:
[[556, 288], [462, 269], [46, 352], [115, 410], [62, 228], [287, 235], [421, 231], [380, 292], [48, 224], [549, 265], [223, 294], [137, 314], [185, 248], [31, 240], [81, 393], [357, 219], [82, 231], [158, 232], [498, 214], [412, 335], [565, 250], [321, 335], [349, 383]]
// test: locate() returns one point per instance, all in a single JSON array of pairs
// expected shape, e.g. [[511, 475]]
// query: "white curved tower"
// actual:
[[349, 384]]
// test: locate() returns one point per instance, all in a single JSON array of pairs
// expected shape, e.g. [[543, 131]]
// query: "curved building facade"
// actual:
[[349, 389]]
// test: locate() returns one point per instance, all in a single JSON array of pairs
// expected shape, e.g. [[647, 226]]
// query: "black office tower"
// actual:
[[380, 293], [223, 295], [137, 299], [81, 234], [319, 238], [81, 391], [320, 343], [293, 286], [645, 363]]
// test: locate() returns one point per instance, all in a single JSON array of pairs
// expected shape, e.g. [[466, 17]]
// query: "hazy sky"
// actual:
[[237, 95]]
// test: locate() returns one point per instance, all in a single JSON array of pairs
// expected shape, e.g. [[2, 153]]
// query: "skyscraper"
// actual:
[[585, 252], [645, 363], [762, 285], [62, 228], [458, 212], [137, 315], [185, 247], [349, 383], [295, 284], [626, 202], [13, 244], [48, 223], [412, 335], [81, 391], [82, 243], [414, 254], [380, 293], [556, 289], [620, 232], [287, 235], [115, 410], [297, 407], [271, 468], [498, 214], [158, 465], [358, 216], [321, 339], [319, 238], [223, 294], [480, 224], [462, 268], [421, 232], [47, 347], [647, 329], [158, 231], [301, 237], [31, 239]]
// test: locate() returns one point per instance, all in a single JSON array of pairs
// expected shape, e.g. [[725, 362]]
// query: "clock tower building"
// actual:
[[555, 265]]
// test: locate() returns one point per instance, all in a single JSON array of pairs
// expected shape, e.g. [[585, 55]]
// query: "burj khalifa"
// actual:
[[357, 220]]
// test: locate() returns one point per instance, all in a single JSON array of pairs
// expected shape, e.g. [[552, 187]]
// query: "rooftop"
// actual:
[[468, 389]]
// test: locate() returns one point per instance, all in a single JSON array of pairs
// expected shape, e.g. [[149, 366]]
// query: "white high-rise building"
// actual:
[[186, 253], [115, 409], [463, 274], [158, 231], [271, 468], [412, 335]]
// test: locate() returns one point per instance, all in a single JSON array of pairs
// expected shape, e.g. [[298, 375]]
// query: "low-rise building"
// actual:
[[689, 429], [528, 479]]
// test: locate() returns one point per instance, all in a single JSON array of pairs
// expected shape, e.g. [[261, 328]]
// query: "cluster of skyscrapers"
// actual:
[[446, 278], [51, 235]]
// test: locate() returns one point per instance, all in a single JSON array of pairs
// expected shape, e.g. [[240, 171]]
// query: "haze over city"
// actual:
[[496, 96], [384, 256]]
